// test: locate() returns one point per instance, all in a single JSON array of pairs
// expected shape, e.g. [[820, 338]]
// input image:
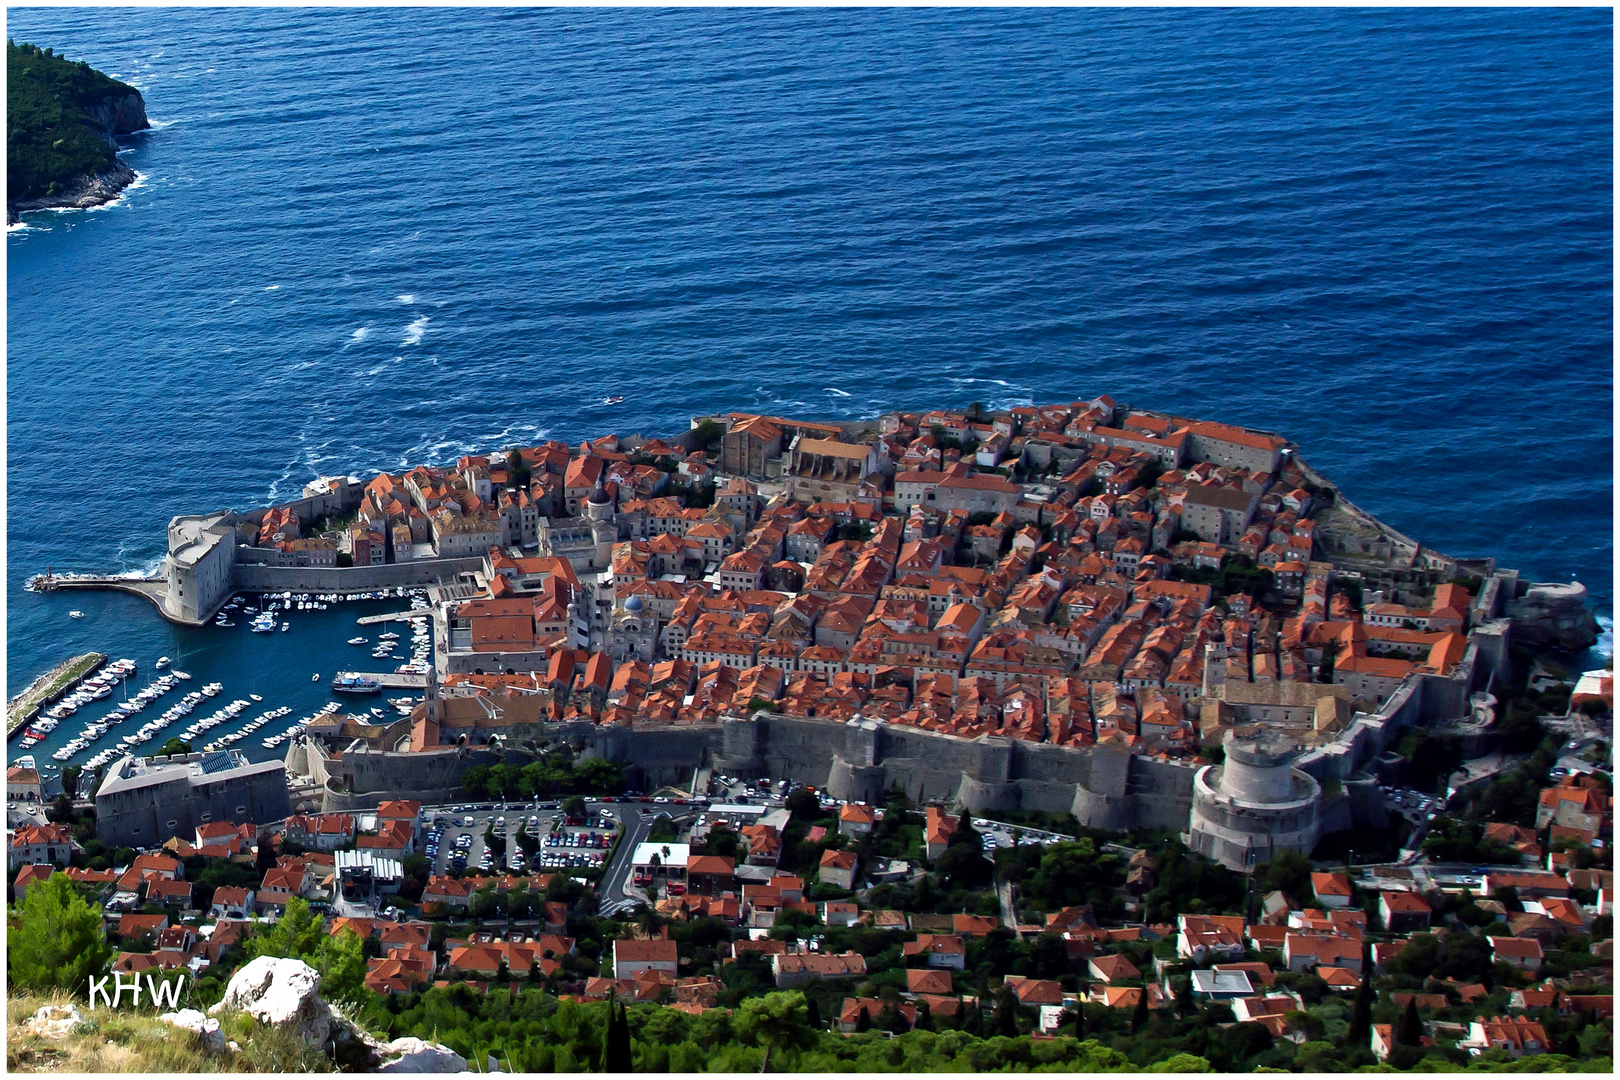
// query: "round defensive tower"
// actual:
[[1255, 804]]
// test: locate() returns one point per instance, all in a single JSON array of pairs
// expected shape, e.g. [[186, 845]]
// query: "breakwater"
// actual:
[[22, 709]]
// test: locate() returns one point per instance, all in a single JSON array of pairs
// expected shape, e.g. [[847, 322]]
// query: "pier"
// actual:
[[390, 681], [391, 616], [22, 709], [155, 589]]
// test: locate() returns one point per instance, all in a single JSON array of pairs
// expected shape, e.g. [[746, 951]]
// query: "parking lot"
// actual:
[[1416, 806]]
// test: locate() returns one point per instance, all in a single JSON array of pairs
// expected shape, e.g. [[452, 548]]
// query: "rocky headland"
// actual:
[[64, 119]]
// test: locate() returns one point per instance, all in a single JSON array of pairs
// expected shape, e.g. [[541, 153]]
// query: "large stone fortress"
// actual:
[[1062, 607], [1255, 803]]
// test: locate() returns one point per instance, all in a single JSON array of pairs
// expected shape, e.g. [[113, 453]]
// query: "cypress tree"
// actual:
[[1409, 1030], [266, 858], [1361, 1014], [1139, 1017], [812, 1013], [616, 1057], [1005, 1019]]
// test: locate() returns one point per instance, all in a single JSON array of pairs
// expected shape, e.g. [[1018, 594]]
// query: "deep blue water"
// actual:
[[373, 238]]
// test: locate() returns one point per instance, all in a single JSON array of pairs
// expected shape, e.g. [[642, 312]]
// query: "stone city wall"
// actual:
[[335, 579]]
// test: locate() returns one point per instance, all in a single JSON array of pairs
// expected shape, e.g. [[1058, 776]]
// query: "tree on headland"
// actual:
[[175, 745]]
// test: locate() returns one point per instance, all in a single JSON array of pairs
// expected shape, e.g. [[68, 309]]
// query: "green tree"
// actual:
[[1409, 1029], [1004, 1021], [341, 960], [517, 470], [265, 858], [616, 1056], [1288, 871], [707, 433], [296, 934], [1361, 1014], [55, 939], [777, 1021], [175, 745]]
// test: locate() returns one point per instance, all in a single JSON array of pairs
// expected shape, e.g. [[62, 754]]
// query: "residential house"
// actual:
[[630, 958]]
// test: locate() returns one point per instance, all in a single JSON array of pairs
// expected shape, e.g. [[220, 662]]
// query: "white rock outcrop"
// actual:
[[410, 1055], [51, 1022], [279, 991], [204, 1027]]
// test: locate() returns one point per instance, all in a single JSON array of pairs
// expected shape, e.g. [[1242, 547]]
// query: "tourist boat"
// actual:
[[161, 663], [357, 641], [264, 624], [355, 684]]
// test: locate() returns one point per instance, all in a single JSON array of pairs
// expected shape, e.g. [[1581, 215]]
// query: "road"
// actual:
[[638, 822]]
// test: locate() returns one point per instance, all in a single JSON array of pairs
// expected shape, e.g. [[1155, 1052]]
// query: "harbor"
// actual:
[[216, 686]]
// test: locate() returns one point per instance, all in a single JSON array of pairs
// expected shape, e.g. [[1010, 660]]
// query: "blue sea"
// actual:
[[367, 239]]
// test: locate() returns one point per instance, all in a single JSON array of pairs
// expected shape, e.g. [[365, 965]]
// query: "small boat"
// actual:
[[357, 641], [255, 697], [182, 675], [75, 614], [613, 399], [315, 677], [284, 627], [224, 622]]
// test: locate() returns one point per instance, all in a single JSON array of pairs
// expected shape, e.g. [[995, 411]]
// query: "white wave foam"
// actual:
[[360, 335], [271, 288], [414, 332], [406, 298], [1605, 641], [835, 390]]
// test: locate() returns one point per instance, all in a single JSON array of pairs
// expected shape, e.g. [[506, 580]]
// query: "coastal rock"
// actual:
[[119, 115], [52, 1022], [82, 193], [410, 1055], [204, 1027], [279, 991], [1553, 615]]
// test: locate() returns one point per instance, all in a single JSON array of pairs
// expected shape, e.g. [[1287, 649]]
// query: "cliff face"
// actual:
[[64, 119], [118, 114]]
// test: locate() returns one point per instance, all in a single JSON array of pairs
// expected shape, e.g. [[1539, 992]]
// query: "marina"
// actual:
[[218, 686]]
